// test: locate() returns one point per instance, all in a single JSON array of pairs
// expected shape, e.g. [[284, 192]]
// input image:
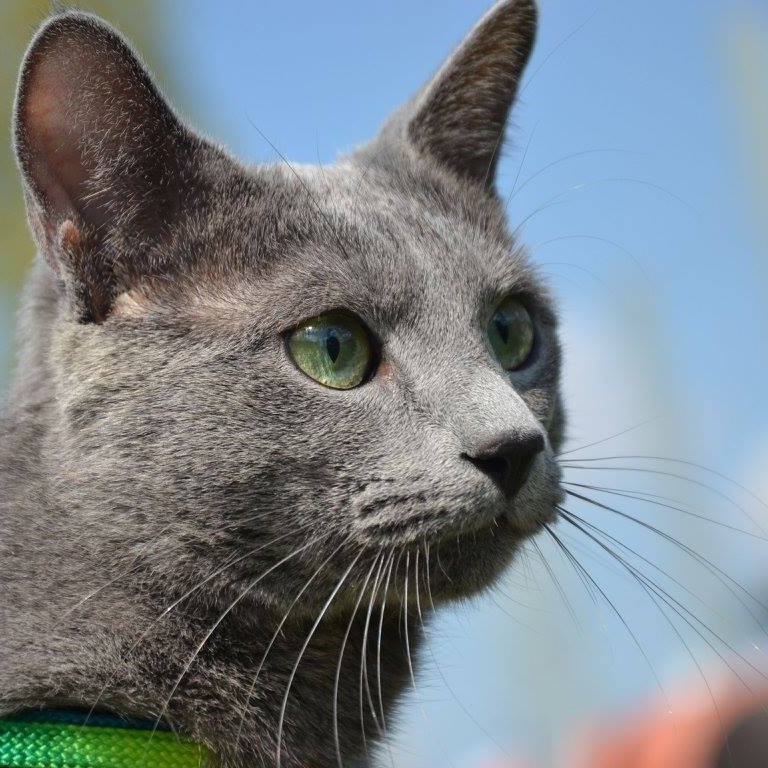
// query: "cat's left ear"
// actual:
[[459, 118]]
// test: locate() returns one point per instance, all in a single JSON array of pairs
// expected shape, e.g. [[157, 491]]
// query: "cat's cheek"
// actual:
[[556, 422]]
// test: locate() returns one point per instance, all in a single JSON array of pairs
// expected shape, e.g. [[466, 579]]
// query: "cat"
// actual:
[[265, 419]]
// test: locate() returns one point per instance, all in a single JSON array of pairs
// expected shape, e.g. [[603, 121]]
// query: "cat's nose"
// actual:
[[508, 460]]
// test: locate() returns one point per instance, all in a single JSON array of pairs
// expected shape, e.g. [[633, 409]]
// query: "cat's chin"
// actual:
[[457, 551], [466, 563]]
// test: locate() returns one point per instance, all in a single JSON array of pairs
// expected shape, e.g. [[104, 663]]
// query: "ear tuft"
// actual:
[[460, 117]]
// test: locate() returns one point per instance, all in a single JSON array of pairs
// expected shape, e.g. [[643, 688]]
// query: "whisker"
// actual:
[[553, 276], [499, 139], [363, 682], [553, 202], [511, 616], [598, 239], [572, 560], [167, 610], [681, 462], [134, 567], [579, 567], [560, 161], [560, 45], [216, 625], [378, 645], [522, 160], [607, 439], [331, 229], [442, 568], [337, 678], [527, 573], [676, 606], [528, 607], [662, 502], [675, 476], [635, 553], [420, 616], [304, 647], [642, 183], [649, 587], [681, 610], [428, 579], [405, 622], [277, 632], [417, 596], [428, 644], [722, 575], [568, 264], [407, 640], [556, 583], [558, 199]]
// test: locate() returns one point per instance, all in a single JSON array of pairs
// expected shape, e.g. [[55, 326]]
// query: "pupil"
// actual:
[[332, 347], [503, 329]]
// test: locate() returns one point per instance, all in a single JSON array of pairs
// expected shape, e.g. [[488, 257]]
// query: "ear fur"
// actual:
[[459, 118], [101, 154]]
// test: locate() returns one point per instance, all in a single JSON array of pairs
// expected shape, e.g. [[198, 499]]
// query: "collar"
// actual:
[[54, 738]]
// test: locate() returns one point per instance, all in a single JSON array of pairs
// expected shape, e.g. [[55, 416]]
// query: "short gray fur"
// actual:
[[157, 437]]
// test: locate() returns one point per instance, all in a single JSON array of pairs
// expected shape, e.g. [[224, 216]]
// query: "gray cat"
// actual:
[[265, 419]]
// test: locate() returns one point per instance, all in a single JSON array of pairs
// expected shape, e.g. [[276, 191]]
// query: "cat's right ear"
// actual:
[[104, 160]]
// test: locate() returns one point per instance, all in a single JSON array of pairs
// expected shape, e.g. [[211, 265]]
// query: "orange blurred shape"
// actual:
[[689, 734]]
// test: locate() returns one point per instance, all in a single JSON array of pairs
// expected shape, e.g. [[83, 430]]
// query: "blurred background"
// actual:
[[637, 168]]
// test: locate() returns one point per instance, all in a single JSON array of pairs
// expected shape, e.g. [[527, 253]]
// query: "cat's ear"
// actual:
[[459, 118], [102, 155]]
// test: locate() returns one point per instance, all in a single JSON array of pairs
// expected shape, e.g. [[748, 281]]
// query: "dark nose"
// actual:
[[508, 461]]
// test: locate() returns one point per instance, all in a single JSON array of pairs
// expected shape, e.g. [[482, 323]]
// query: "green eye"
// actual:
[[333, 349], [511, 333]]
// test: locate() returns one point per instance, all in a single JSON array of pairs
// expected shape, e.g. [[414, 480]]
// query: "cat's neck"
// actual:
[[32, 387], [28, 514], [348, 673], [210, 678]]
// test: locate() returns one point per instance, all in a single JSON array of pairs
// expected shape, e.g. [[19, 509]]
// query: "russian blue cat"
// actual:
[[265, 419]]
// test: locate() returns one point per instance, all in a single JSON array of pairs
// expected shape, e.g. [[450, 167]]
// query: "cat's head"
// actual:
[[353, 364]]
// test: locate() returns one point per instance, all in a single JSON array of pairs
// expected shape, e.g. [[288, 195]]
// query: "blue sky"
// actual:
[[653, 244], [649, 79], [653, 249]]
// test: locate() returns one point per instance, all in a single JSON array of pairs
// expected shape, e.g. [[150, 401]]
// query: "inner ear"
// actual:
[[101, 152], [87, 111]]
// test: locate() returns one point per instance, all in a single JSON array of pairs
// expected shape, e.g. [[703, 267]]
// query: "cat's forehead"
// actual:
[[403, 238], [435, 225], [287, 242]]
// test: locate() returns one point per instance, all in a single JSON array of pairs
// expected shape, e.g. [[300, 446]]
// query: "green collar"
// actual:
[[62, 739]]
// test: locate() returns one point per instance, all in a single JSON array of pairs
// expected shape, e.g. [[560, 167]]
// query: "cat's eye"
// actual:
[[334, 349], [511, 334]]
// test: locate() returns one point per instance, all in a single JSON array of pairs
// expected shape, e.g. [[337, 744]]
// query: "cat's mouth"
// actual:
[[465, 549], [431, 507], [473, 554], [411, 519]]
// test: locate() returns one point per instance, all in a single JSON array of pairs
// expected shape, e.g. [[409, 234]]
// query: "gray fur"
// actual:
[[157, 437]]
